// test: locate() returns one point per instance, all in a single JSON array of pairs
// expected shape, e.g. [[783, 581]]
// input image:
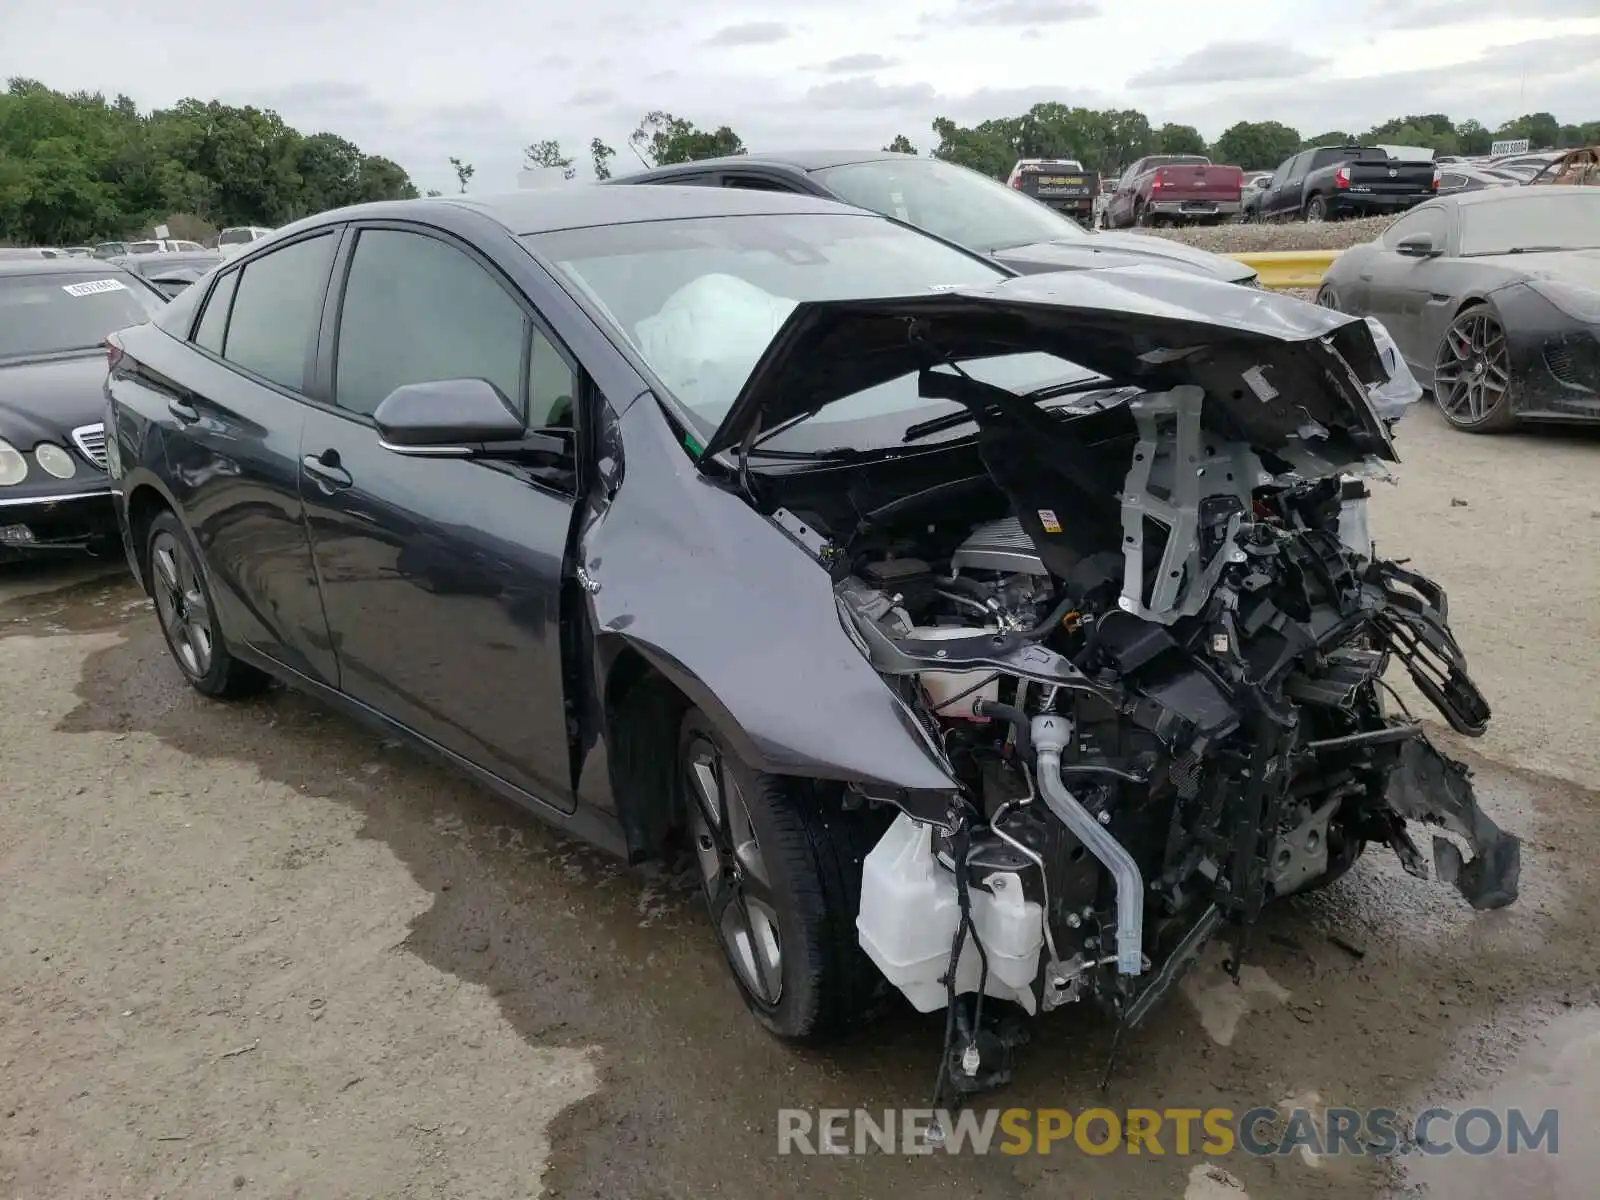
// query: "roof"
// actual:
[[58, 266], [800, 160], [1510, 195], [542, 210]]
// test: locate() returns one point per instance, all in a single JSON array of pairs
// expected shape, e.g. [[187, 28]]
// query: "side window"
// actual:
[[1419, 220], [417, 310], [1451, 183], [277, 306], [1281, 174], [754, 183], [214, 321], [552, 385], [1297, 166]]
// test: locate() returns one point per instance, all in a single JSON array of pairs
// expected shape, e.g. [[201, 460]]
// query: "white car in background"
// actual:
[[236, 237]]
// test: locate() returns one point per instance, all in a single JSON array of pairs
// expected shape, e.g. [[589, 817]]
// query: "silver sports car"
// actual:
[[1494, 300]]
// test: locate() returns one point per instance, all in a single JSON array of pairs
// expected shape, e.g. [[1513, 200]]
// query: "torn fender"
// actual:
[[1430, 787], [744, 623]]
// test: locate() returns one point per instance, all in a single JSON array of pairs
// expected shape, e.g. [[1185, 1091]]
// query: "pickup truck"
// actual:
[[1329, 182], [1060, 183], [1172, 189]]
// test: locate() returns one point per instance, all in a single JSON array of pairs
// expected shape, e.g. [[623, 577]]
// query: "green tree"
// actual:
[[1179, 139], [982, 150], [1336, 137], [901, 145], [464, 172], [600, 155], [662, 138], [1473, 138], [1256, 145], [548, 154], [1542, 130]]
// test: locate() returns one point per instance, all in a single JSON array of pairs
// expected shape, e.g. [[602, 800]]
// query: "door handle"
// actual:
[[325, 469], [185, 413]]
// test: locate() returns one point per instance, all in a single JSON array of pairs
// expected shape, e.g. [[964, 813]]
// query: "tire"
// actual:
[[1472, 381], [788, 882], [1143, 218], [1327, 298], [188, 616], [1316, 210]]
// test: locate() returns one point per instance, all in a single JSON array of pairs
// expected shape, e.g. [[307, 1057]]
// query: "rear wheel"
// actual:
[[780, 867], [188, 616], [1472, 383], [1316, 209]]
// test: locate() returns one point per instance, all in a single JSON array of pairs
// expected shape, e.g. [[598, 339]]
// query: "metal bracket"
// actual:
[[1176, 466]]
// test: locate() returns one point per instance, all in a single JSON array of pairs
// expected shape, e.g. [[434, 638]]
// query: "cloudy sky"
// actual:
[[419, 80]]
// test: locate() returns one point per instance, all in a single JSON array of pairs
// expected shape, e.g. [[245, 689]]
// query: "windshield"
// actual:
[[1530, 220], [958, 205], [49, 314], [701, 299]]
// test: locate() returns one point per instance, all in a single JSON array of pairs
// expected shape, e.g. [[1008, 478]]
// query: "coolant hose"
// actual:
[[1049, 735]]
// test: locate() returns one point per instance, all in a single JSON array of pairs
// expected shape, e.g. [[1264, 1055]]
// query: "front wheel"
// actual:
[[1472, 383], [780, 866], [1326, 298]]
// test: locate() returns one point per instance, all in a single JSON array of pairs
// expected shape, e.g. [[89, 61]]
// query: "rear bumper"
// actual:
[[1195, 208], [65, 518], [1373, 204]]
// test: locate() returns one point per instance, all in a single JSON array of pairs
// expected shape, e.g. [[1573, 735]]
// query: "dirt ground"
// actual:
[[250, 950]]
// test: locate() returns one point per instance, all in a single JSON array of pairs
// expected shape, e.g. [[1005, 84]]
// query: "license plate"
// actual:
[[1198, 206]]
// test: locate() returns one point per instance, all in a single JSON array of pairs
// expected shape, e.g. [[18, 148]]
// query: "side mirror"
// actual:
[[446, 417], [1418, 245]]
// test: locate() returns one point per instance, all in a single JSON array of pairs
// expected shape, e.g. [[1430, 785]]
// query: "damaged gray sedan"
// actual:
[[980, 637]]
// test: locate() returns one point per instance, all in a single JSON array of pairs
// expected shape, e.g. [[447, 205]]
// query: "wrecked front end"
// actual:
[[1154, 652]]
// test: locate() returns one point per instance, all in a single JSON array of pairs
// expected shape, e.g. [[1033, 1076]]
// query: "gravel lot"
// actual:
[[251, 950], [1286, 235]]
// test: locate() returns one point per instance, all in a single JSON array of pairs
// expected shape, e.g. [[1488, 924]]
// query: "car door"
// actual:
[[1272, 190], [1289, 197], [1398, 290], [441, 577], [233, 449], [1119, 209]]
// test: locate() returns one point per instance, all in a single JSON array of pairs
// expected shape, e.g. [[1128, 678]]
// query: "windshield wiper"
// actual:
[[955, 420]]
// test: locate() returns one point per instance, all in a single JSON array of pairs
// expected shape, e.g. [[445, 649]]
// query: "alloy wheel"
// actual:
[[181, 605], [1472, 373], [733, 873], [1326, 299]]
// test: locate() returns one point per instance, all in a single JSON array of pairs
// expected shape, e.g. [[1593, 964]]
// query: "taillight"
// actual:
[[114, 355], [1341, 177], [1157, 182], [1435, 183]]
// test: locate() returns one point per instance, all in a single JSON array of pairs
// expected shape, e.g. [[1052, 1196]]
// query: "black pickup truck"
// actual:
[[1330, 182]]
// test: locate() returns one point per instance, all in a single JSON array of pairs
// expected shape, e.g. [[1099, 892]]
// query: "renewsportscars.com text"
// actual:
[[1258, 1132]]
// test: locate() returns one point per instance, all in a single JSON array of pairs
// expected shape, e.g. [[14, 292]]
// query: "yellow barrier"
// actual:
[[1289, 268]]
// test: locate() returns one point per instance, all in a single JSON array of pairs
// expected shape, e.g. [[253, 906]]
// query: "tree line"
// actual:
[[78, 168], [1103, 140]]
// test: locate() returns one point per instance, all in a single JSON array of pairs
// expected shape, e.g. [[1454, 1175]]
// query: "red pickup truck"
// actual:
[[1175, 189]]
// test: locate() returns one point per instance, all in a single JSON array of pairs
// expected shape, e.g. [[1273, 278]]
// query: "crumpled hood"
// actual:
[[1274, 368], [1120, 250], [47, 400]]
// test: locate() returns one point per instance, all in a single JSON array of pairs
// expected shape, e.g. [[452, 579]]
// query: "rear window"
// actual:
[[53, 313], [235, 237], [144, 247]]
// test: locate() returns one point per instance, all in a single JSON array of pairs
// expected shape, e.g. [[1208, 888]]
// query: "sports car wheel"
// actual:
[[1472, 382], [781, 873], [188, 616]]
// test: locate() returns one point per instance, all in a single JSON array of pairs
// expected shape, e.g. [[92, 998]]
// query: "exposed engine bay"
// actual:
[[1155, 662]]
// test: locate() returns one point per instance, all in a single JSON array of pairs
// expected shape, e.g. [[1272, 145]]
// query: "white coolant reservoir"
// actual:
[[910, 912], [953, 693]]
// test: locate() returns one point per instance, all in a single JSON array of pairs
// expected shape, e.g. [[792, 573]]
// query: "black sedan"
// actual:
[[951, 202], [1493, 297], [55, 315], [782, 533]]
